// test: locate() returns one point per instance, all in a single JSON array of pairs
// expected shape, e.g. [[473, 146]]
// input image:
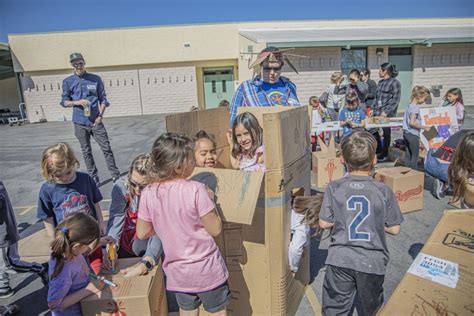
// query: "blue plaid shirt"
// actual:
[[251, 93], [86, 86]]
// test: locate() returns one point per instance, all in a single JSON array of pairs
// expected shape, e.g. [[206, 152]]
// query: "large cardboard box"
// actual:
[[406, 183], [326, 165], [142, 295], [441, 279], [256, 207]]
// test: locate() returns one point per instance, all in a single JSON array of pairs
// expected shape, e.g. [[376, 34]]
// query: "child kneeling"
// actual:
[[360, 211]]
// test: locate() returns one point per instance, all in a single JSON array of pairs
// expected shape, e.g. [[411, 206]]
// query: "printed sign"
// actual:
[[444, 122], [435, 269]]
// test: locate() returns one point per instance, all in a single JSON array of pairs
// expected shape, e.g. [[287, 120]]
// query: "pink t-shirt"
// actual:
[[192, 263]]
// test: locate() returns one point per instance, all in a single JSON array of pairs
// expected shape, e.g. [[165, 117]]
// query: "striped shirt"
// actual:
[[388, 96], [251, 93]]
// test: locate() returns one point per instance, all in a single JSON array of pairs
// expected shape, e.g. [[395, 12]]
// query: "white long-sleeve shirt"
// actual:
[[299, 241]]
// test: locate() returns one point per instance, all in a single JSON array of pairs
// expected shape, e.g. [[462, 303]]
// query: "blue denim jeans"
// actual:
[[436, 168]]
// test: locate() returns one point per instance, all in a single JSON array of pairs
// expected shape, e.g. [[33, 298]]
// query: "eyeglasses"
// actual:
[[139, 186], [78, 64], [269, 69]]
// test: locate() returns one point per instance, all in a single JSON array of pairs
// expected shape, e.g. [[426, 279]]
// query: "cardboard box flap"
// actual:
[[395, 172], [213, 121], [236, 191]]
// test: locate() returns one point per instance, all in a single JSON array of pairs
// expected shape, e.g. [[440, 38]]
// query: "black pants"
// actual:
[[340, 287], [99, 133], [382, 150], [412, 143]]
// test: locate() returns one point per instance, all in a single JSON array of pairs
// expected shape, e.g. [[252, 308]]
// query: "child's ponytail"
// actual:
[[77, 228]]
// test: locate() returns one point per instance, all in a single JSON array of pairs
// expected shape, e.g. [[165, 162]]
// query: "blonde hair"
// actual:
[[57, 159], [335, 77], [140, 164], [419, 92]]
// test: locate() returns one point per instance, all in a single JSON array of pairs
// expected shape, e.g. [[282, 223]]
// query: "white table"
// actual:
[[319, 128]]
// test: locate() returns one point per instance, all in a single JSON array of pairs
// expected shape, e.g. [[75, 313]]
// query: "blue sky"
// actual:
[[28, 16]]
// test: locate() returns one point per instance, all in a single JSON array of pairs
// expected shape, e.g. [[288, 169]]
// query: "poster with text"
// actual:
[[443, 122]]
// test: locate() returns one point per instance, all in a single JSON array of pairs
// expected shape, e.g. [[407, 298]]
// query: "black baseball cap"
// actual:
[[75, 56]]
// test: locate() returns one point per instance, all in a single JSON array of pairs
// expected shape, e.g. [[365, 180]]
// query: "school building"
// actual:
[[172, 68]]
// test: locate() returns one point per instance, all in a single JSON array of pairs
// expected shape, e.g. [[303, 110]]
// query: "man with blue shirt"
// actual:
[[268, 88], [85, 93]]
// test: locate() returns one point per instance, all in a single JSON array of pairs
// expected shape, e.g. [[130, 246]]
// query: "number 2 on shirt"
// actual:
[[362, 205]]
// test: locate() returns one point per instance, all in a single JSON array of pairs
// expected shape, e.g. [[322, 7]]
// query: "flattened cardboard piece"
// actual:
[[286, 133], [142, 295], [326, 166], [213, 121], [451, 240], [444, 120], [36, 246], [406, 183], [236, 191]]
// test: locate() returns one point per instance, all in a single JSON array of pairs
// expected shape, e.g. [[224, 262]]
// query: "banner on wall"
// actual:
[[443, 124]]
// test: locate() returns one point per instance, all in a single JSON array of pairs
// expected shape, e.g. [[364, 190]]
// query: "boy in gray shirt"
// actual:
[[360, 211]]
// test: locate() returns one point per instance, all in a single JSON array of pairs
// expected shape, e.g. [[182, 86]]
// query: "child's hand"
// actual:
[[106, 264], [229, 137], [105, 240], [426, 128], [102, 228], [95, 286], [354, 125]]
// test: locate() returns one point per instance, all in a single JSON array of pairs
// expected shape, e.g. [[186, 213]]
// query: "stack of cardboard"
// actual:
[[441, 279], [142, 295], [326, 164], [256, 231]]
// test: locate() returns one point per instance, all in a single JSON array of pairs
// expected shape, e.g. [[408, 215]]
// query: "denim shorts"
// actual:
[[213, 300]]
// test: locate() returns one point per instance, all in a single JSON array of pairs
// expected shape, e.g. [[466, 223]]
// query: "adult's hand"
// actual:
[[98, 120], [82, 102]]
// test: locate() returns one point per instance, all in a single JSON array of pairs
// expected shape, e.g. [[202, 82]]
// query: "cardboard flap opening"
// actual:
[[327, 150], [236, 191]]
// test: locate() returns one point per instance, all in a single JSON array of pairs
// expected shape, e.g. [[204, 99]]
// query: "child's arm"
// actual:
[[144, 229], [49, 226], [100, 218], [299, 240], [393, 230], [212, 223], [234, 162], [413, 123], [71, 299], [325, 225]]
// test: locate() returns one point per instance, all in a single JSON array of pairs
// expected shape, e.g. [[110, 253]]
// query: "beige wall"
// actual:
[[9, 94], [449, 65], [150, 45]]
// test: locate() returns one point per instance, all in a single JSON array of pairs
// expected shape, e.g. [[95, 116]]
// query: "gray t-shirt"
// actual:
[[410, 110], [360, 208]]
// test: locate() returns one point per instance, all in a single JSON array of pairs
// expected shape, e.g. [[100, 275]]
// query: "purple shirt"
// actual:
[[192, 263], [73, 277]]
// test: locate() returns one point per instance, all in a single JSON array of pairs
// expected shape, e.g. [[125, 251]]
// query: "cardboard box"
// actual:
[[256, 208], [406, 183], [143, 295], [430, 294], [326, 164]]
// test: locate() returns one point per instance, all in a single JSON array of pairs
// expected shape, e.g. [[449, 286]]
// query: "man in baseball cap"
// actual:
[[85, 93]]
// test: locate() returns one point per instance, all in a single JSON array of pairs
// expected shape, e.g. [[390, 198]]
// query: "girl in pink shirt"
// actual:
[[181, 213], [454, 98]]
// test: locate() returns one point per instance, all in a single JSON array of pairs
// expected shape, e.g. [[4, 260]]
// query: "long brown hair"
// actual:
[[77, 228], [310, 206], [462, 165], [170, 151], [250, 123]]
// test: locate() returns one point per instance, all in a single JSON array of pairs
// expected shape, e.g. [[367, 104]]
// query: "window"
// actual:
[[354, 58]]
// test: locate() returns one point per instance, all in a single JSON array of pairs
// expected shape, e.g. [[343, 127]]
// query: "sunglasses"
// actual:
[[139, 186], [78, 64], [269, 69]]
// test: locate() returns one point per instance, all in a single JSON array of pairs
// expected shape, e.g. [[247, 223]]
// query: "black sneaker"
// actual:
[[381, 158], [437, 190], [6, 292], [96, 180]]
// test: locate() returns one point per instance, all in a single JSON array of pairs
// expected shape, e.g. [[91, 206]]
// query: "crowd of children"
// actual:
[[157, 212]]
